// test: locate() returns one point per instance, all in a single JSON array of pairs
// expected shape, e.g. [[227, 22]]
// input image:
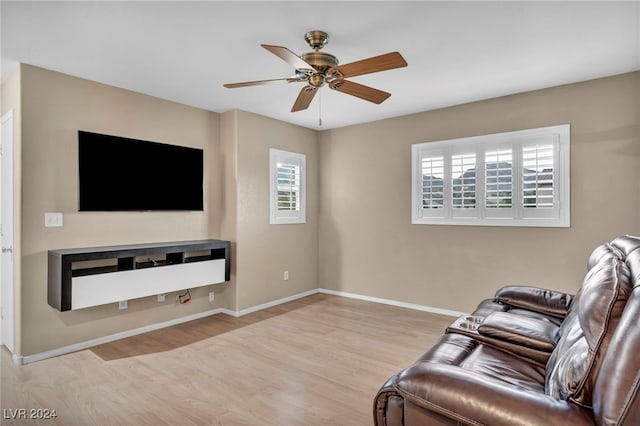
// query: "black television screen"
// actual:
[[122, 174]]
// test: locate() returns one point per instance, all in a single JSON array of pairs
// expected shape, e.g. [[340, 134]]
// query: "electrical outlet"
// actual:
[[52, 220], [286, 276], [122, 304], [212, 296], [161, 297]]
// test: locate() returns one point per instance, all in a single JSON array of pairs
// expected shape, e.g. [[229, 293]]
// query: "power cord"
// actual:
[[185, 298]]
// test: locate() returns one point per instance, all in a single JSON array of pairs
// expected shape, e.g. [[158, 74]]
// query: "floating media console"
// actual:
[[80, 278]]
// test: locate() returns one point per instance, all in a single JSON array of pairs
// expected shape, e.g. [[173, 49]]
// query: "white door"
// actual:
[[6, 231]]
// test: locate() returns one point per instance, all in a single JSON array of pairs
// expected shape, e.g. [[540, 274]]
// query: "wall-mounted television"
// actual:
[[123, 174]]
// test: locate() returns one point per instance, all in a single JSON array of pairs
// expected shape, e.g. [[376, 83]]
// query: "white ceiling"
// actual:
[[457, 52]]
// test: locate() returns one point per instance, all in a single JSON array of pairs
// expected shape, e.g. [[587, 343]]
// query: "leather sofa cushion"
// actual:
[[489, 306], [530, 332], [536, 315], [605, 252], [468, 354], [585, 333], [536, 299], [472, 383]]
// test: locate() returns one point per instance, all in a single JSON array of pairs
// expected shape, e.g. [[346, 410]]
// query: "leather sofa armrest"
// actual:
[[530, 332], [388, 406], [473, 398], [549, 302]]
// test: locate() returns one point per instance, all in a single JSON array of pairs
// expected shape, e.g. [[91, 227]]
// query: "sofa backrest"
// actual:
[[573, 369], [616, 394]]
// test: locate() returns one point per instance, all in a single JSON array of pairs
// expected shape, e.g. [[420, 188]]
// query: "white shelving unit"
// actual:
[[79, 279]]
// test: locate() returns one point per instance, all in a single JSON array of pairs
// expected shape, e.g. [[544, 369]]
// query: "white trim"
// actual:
[[274, 303], [8, 289], [22, 360], [398, 303]]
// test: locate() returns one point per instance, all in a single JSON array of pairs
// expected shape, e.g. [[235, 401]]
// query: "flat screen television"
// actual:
[[123, 174]]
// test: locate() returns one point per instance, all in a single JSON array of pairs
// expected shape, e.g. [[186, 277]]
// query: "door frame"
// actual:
[[7, 290]]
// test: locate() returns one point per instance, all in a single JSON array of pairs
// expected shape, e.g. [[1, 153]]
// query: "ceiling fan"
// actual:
[[317, 68]]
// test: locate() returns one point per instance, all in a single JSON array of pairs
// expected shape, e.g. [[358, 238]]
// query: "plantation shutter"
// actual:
[[463, 184], [288, 176], [540, 178], [433, 182], [499, 177]]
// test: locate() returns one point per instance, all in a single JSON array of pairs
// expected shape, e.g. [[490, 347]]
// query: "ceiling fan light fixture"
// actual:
[[316, 80]]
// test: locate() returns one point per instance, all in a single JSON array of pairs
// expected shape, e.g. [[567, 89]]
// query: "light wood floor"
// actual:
[[314, 361]]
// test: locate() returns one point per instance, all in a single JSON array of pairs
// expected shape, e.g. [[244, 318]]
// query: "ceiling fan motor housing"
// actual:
[[320, 61]]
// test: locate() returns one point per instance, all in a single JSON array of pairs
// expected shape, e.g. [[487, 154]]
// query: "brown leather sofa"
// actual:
[[532, 356]]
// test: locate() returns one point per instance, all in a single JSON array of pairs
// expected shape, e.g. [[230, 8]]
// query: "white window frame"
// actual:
[[278, 217], [517, 215]]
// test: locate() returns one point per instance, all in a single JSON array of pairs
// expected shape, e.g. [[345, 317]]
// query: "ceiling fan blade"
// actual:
[[360, 91], [388, 61], [261, 82], [288, 56], [304, 98]]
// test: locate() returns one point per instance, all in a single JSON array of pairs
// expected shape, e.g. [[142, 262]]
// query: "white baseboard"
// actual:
[[28, 359], [275, 303], [394, 303]]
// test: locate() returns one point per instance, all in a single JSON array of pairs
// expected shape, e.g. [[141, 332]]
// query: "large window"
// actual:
[[287, 186], [508, 179]]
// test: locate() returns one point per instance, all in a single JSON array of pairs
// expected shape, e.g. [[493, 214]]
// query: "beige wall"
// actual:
[[236, 144], [229, 204], [54, 108], [368, 245], [264, 251], [358, 237]]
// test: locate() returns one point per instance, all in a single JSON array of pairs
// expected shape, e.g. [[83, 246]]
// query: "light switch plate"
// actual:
[[52, 220]]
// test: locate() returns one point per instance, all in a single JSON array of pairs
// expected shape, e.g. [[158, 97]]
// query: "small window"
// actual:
[[508, 179], [287, 186]]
